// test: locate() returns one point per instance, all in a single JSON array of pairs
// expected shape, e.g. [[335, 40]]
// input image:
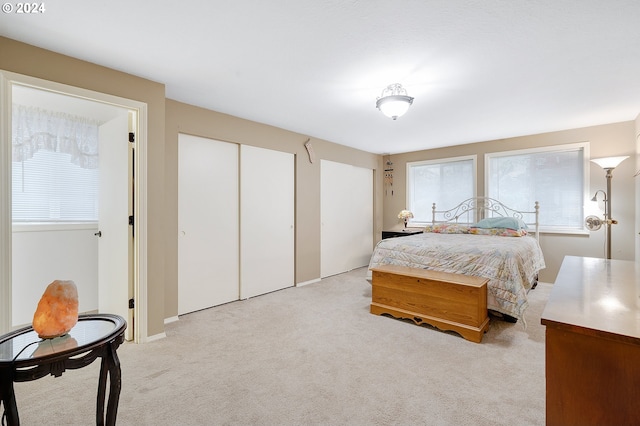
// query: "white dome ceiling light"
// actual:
[[394, 101]]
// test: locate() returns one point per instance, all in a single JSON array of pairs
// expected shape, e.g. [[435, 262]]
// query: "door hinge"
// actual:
[[132, 137], [130, 220], [131, 304]]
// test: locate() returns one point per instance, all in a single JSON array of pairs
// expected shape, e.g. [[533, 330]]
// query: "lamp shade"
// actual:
[[609, 162], [394, 101], [405, 214]]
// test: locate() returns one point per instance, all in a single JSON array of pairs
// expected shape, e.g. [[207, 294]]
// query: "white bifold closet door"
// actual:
[[208, 223], [267, 220], [346, 216]]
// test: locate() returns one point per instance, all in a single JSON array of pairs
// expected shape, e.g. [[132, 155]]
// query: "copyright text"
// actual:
[[23, 8]]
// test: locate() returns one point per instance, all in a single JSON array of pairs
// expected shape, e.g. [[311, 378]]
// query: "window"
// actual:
[[50, 188], [445, 182], [54, 167], [553, 176]]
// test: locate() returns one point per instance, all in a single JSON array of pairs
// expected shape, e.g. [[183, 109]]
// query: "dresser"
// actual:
[[592, 350]]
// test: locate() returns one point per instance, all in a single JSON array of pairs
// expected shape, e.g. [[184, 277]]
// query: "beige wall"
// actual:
[[183, 118], [606, 140], [173, 117], [35, 62]]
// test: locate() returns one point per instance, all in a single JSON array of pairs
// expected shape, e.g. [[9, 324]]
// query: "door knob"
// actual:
[[99, 234]]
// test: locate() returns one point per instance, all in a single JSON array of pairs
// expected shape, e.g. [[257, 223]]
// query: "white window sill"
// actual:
[[53, 226]]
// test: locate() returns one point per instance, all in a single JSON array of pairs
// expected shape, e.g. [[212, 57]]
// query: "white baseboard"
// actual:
[[308, 282], [155, 337], [171, 319]]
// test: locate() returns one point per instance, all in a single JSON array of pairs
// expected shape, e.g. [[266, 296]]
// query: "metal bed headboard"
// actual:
[[474, 209]]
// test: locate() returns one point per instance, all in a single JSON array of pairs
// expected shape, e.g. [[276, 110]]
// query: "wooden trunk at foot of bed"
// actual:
[[447, 301]]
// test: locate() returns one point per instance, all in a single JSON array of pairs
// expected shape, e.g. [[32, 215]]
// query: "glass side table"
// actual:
[[25, 357]]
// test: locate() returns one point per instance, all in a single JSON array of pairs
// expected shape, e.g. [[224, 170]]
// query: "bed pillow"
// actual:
[[501, 223], [500, 232], [447, 228]]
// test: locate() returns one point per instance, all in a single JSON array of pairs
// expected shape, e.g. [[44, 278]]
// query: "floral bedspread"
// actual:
[[510, 263]]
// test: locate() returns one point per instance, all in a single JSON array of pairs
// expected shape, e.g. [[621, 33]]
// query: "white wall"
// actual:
[[636, 162], [44, 255]]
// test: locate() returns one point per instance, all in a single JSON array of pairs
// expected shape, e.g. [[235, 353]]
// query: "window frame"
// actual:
[[409, 165], [584, 146]]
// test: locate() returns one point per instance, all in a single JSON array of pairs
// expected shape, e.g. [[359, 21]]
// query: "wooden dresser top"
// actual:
[[596, 296]]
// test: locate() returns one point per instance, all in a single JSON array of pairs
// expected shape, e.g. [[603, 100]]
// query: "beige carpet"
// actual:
[[312, 356]]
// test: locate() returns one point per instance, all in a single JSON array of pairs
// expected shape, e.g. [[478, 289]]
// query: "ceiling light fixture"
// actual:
[[394, 101]]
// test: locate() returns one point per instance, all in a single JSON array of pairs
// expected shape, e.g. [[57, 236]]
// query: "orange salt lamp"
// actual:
[[57, 310]]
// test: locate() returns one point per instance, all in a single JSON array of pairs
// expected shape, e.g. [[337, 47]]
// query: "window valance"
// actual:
[[35, 129]]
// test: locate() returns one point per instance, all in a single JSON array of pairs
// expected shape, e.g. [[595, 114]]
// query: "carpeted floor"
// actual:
[[312, 355]]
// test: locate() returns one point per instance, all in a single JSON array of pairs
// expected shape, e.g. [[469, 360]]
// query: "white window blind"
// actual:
[[445, 182], [553, 176], [54, 167]]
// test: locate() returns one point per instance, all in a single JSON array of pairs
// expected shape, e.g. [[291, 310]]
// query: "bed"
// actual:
[[476, 238]]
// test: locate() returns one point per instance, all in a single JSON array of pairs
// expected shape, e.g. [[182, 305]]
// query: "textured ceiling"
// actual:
[[479, 70]]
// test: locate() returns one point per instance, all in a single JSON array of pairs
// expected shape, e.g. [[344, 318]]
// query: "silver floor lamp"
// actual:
[[594, 223]]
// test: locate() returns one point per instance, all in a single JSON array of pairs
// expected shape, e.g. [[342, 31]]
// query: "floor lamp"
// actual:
[[593, 223]]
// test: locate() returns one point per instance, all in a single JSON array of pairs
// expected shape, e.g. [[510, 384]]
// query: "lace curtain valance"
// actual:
[[35, 129]]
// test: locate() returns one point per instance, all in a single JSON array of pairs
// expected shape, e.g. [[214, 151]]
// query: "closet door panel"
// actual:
[[208, 223], [346, 213], [267, 220]]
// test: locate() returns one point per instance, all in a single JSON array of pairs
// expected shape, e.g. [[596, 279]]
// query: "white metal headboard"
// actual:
[[474, 209]]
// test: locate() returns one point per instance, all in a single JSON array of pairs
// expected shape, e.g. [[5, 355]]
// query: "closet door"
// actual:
[[208, 224], [346, 215], [267, 218]]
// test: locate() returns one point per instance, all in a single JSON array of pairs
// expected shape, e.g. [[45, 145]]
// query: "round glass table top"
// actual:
[[24, 344]]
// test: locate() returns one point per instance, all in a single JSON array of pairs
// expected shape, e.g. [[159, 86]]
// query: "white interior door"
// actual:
[[267, 218], [113, 218], [208, 223], [346, 215]]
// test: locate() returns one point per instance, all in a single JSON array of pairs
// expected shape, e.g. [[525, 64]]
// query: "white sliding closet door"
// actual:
[[346, 214], [208, 224], [267, 218]]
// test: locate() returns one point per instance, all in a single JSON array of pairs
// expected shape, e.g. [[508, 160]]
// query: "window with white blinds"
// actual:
[[48, 187], [445, 182], [54, 167], [553, 176]]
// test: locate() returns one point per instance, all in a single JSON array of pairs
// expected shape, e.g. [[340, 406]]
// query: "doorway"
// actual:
[[103, 255]]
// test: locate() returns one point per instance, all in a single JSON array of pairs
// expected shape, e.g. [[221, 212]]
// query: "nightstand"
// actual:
[[404, 233]]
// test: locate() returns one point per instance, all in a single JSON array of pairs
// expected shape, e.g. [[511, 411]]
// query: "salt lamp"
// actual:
[[57, 310]]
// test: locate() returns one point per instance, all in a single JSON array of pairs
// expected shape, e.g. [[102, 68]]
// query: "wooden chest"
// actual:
[[447, 301]]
